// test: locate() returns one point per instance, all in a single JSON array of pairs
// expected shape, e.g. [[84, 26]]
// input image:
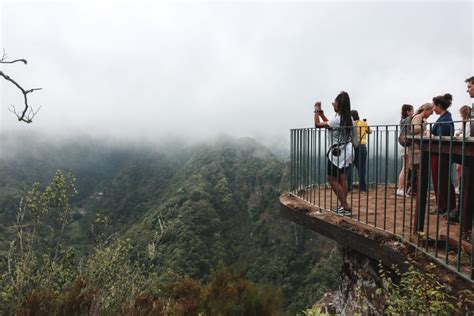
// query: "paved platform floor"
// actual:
[[380, 207]]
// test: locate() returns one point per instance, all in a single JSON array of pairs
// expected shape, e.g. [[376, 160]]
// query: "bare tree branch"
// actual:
[[28, 113], [14, 61], [4, 57]]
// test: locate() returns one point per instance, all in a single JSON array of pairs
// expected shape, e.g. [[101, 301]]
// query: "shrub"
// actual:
[[416, 292]]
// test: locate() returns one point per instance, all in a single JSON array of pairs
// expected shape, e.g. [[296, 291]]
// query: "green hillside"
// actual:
[[186, 210]]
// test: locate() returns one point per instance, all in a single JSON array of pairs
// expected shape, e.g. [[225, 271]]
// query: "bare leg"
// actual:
[[340, 189], [344, 187], [403, 173], [401, 178]]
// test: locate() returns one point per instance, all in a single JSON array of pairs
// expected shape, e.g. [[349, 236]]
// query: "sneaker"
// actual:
[[400, 192], [344, 212]]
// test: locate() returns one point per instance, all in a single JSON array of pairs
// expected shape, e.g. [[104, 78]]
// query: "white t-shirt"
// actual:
[[468, 130], [336, 135]]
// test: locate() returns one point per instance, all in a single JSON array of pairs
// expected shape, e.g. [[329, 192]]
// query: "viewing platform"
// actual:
[[384, 226]]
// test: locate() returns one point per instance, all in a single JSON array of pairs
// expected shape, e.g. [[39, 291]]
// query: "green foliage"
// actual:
[[172, 214], [416, 293], [36, 258], [108, 280], [44, 277], [116, 278], [222, 205], [228, 293], [314, 311], [109, 283]]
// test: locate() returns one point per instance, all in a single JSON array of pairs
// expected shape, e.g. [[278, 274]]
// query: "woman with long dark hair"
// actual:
[[440, 168], [404, 176], [340, 150]]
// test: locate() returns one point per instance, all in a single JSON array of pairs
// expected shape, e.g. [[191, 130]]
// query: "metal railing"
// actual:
[[413, 210]]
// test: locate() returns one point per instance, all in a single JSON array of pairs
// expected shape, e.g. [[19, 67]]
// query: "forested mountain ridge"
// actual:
[[192, 207]]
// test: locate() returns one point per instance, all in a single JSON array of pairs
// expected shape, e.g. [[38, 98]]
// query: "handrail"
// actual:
[[392, 125]]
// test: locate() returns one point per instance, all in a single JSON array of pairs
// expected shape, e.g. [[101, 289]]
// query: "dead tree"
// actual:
[[28, 112]]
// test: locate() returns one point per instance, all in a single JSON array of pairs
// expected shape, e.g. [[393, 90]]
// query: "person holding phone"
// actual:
[[340, 151]]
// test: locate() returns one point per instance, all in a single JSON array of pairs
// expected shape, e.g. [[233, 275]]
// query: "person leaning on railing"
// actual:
[[340, 150], [444, 126], [404, 177], [418, 127], [360, 152]]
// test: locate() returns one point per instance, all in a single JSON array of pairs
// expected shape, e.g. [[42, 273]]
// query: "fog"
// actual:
[[152, 72]]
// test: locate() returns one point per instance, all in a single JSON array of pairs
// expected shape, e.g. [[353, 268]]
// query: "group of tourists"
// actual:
[[414, 124], [348, 138]]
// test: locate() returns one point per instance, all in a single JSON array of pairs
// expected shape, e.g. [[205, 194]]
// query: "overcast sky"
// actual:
[[149, 71]]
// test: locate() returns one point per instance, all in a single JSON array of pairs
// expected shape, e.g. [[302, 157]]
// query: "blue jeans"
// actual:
[[360, 162]]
